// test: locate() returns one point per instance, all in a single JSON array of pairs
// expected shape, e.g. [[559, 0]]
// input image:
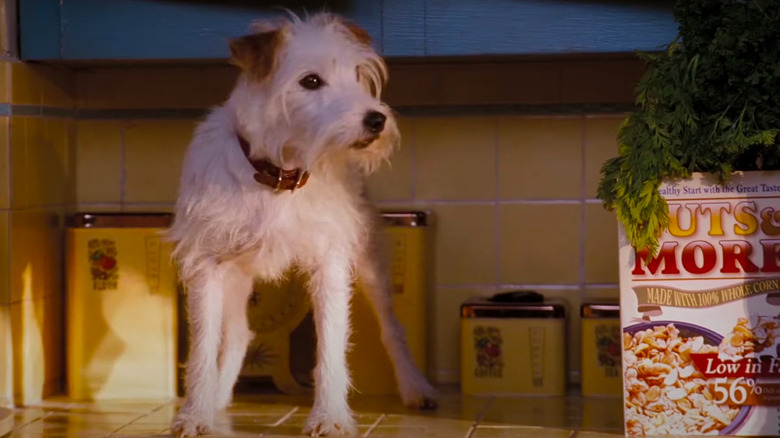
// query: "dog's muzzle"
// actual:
[[373, 124], [362, 144]]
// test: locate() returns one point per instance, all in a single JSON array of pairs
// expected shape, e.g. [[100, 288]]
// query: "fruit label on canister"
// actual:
[[103, 264]]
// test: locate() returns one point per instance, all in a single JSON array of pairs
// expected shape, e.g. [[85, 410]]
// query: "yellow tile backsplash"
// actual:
[[600, 145], [35, 84], [512, 195], [5, 261], [5, 164], [36, 246], [153, 153], [601, 245], [455, 158], [42, 162], [26, 87], [601, 293], [58, 86], [540, 158], [465, 244], [37, 348], [540, 243], [37, 165], [98, 162], [506, 192], [6, 333], [5, 82]]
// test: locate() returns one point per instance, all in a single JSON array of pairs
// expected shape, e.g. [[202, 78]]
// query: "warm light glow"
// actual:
[[31, 359], [6, 358]]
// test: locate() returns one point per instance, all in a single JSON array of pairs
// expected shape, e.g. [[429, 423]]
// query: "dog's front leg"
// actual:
[[374, 276], [204, 308], [330, 291]]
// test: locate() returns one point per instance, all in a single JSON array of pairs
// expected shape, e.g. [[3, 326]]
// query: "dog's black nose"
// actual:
[[374, 121]]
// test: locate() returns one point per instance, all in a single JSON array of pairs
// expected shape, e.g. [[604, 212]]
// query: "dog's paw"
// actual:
[[324, 424], [186, 425], [420, 396]]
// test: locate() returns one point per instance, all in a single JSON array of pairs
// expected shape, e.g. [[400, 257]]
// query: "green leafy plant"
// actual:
[[709, 103]]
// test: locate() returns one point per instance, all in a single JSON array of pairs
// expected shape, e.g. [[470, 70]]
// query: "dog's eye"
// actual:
[[312, 82]]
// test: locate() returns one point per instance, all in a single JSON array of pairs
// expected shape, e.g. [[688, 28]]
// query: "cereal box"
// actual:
[[701, 319]]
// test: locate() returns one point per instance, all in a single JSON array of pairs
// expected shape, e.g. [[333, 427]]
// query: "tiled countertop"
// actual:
[[378, 416], [6, 421]]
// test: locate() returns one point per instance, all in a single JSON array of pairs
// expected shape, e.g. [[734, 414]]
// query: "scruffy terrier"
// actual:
[[274, 179]]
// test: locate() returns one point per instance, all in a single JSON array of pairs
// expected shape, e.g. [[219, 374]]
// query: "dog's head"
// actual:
[[310, 89]]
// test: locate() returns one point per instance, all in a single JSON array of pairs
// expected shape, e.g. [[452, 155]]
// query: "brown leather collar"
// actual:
[[273, 176]]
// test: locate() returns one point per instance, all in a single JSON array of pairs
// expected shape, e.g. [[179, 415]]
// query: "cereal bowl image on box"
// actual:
[[664, 393], [701, 316]]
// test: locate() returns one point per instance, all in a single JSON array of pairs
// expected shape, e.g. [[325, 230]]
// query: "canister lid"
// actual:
[[120, 220], [406, 218], [606, 309], [517, 304]]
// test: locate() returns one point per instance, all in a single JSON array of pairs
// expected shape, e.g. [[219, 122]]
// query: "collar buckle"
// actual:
[[298, 181], [279, 179], [270, 175]]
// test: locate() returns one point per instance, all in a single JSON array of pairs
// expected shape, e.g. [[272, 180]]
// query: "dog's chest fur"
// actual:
[[316, 222], [224, 214]]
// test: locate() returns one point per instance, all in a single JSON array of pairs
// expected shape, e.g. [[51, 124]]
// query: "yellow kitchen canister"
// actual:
[[121, 308], [601, 349], [513, 343], [279, 312], [275, 310], [407, 243]]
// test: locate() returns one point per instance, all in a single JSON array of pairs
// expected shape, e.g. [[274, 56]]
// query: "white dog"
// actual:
[[272, 179]]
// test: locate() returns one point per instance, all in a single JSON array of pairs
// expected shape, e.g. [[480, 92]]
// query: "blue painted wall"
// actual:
[[198, 29]]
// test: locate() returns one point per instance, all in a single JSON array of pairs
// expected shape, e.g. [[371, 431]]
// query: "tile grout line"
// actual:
[[496, 206], [414, 161], [374, 426], [487, 202], [122, 166], [119, 204], [543, 286], [584, 197], [281, 421], [136, 419], [380, 203], [179, 113], [11, 167], [10, 185], [39, 207], [480, 415], [42, 417], [601, 285], [573, 369], [286, 416], [9, 84]]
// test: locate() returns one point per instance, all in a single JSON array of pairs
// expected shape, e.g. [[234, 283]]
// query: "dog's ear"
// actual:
[[256, 53]]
